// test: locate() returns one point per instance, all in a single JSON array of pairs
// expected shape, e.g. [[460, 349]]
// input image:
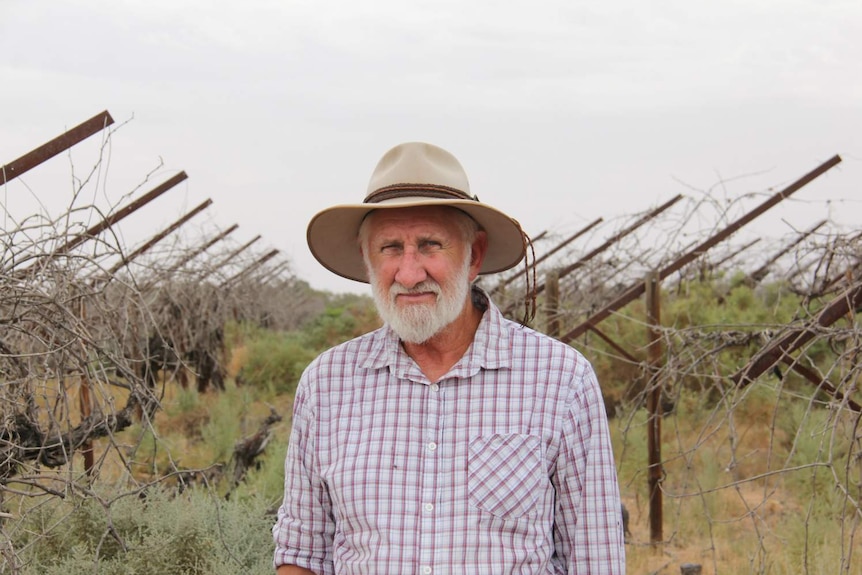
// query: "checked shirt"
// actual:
[[502, 466]]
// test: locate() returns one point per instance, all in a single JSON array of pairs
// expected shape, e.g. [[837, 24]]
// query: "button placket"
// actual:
[[428, 488]]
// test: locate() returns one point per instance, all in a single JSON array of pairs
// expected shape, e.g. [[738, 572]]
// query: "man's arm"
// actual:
[[587, 524], [304, 529]]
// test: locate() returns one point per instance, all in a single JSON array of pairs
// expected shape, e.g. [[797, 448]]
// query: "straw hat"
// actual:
[[409, 175]]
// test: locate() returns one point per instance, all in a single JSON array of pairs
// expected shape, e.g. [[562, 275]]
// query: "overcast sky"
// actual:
[[561, 111]]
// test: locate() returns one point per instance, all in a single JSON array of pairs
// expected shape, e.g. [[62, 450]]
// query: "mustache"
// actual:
[[423, 287]]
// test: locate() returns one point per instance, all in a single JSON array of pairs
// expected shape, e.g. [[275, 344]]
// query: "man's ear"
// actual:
[[478, 249]]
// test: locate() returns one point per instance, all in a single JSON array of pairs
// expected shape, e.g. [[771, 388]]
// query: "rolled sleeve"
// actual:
[[304, 529], [588, 529]]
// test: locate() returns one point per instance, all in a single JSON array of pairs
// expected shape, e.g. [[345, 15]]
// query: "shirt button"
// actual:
[[429, 507], [434, 387], [432, 446], [426, 570]]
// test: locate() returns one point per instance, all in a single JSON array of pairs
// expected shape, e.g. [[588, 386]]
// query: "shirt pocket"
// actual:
[[504, 474]]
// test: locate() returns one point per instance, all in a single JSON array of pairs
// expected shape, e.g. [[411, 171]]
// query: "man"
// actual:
[[451, 440]]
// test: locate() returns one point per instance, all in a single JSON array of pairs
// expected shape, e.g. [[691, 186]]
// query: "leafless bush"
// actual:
[[91, 332]]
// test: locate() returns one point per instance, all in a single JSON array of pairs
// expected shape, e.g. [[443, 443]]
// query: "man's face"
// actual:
[[420, 268]]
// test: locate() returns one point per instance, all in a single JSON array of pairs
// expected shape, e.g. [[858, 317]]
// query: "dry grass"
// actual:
[[733, 502]]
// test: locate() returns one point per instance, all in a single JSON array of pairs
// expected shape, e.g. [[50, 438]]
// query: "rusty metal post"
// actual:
[[792, 339], [552, 302], [636, 290], [195, 253], [230, 256], [273, 272], [757, 275], [820, 383], [560, 246], [125, 260], [733, 254], [110, 220], [652, 214], [582, 261], [244, 273], [123, 212], [56, 146], [654, 353], [614, 345]]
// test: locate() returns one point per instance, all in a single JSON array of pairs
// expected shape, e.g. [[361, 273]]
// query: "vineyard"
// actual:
[[730, 372], [732, 380]]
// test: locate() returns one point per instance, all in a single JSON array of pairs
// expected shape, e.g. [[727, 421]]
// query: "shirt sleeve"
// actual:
[[304, 530], [588, 532]]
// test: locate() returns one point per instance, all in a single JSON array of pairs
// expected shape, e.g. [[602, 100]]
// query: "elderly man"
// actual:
[[451, 440]]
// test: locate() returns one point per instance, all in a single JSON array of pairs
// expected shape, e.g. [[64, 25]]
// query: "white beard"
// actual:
[[417, 323]]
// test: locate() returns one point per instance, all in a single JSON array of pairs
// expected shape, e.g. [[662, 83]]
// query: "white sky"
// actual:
[[561, 111]]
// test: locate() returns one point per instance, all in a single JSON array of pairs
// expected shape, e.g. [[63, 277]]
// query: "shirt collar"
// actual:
[[489, 350]]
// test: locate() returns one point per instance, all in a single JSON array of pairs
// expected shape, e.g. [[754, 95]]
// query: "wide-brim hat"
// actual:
[[411, 175]]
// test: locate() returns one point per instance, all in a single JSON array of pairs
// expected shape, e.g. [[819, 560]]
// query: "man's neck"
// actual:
[[436, 356]]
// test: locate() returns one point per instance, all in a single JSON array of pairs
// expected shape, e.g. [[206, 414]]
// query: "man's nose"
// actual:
[[411, 270]]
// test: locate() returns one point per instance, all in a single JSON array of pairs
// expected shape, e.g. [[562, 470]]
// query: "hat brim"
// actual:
[[332, 235]]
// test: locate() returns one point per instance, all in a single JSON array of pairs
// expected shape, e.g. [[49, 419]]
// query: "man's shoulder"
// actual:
[[341, 367], [536, 338], [351, 349]]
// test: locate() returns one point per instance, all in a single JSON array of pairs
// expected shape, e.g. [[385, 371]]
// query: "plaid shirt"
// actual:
[[502, 466]]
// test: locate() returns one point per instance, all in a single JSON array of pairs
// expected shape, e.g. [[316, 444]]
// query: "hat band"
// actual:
[[410, 190]]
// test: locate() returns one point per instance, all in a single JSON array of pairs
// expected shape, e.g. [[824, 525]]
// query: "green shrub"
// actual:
[[158, 533], [187, 400], [275, 362], [345, 317], [266, 479], [223, 428]]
